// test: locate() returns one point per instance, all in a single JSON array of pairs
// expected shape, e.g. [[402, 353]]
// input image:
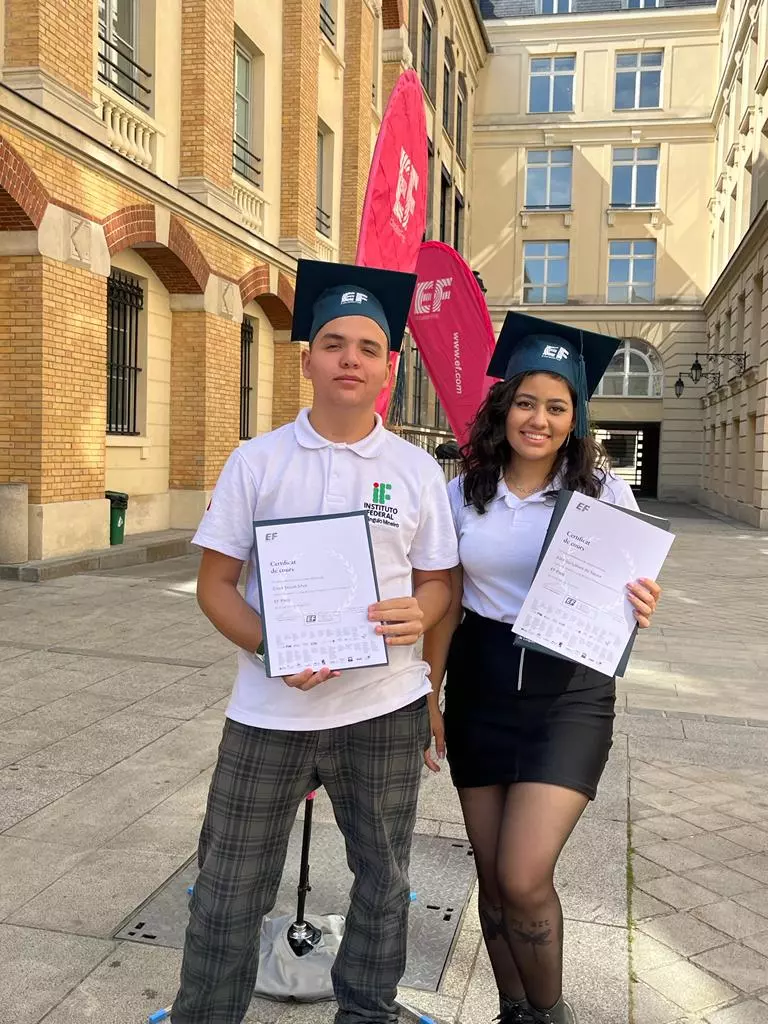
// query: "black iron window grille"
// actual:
[[246, 344], [125, 301], [120, 72], [246, 163], [327, 24], [323, 222]]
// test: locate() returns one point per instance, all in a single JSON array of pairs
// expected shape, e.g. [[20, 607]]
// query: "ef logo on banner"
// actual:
[[405, 196], [430, 295]]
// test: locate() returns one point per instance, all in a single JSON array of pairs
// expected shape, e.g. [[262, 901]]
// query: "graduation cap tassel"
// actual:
[[581, 427]]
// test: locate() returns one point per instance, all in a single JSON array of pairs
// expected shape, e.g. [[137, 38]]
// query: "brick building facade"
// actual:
[[163, 163]]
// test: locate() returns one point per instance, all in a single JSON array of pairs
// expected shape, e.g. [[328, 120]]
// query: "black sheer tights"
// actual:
[[517, 834]]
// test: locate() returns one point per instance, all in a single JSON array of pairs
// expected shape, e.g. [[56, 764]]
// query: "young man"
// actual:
[[360, 733]]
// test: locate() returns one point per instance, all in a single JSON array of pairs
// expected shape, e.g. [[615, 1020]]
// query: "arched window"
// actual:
[[634, 372]]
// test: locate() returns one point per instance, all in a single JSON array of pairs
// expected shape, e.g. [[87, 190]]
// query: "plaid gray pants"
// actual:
[[371, 771]]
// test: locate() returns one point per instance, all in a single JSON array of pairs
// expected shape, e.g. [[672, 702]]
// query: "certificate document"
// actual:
[[316, 579], [577, 606]]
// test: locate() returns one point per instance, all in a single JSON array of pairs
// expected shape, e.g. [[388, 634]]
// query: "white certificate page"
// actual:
[[317, 579], [577, 605]]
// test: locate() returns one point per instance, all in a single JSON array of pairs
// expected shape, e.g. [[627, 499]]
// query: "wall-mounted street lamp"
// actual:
[[479, 280], [697, 372]]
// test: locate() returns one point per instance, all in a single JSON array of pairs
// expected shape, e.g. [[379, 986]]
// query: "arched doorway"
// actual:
[[627, 414]]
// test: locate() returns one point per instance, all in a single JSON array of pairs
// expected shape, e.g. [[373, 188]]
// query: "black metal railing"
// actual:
[[121, 72], [436, 442], [246, 163], [125, 300], [246, 343], [327, 24], [323, 222]]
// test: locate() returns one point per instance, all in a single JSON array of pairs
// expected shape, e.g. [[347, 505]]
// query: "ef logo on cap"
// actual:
[[353, 297], [553, 352]]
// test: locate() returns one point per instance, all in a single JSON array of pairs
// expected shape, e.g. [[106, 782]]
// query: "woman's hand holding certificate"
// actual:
[[402, 620]]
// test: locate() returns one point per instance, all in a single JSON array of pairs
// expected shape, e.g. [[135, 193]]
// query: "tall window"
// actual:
[[545, 272], [323, 216], [448, 66], [461, 126], [376, 63], [244, 160], [548, 176], [757, 305], [458, 221], [631, 271], [429, 227], [427, 45], [550, 88], [440, 422], [246, 347], [118, 42], [635, 175], [445, 201], [420, 388], [638, 80], [125, 300], [634, 372], [327, 21], [553, 6]]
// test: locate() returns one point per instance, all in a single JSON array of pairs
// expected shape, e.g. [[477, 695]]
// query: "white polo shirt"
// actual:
[[499, 550], [293, 471]]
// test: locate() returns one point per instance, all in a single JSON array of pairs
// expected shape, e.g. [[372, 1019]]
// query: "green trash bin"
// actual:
[[118, 503]]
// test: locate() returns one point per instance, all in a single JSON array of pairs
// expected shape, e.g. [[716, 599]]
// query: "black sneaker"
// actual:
[[518, 1012], [561, 1013]]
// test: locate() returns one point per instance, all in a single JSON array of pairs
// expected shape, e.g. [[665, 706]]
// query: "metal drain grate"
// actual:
[[441, 873]]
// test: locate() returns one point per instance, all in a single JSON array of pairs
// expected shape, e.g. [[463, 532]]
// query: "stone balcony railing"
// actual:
[[130, 131], [325, 250], [251, 203]]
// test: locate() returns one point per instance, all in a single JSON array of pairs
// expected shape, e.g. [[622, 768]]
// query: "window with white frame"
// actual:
[[639, 5], [548, 177], [634, 372], [427, 51], [245, 160], [448, 67], [638, 80], [631, 270], [376, 63], [324, 181], [550, 88], [634, 179], [461, 120], [118, 46], [327, 20], [553, 6], [545, 272]]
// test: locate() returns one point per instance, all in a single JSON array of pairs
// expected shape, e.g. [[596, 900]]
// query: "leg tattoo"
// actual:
[[534, 934]]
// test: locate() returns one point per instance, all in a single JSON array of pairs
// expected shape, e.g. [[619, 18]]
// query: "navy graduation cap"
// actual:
[[325, 291], [528, 344]]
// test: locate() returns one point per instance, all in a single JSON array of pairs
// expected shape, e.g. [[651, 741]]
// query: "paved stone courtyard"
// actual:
[[112, 690]]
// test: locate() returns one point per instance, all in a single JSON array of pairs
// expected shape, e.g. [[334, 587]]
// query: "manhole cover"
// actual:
[[441, 873]]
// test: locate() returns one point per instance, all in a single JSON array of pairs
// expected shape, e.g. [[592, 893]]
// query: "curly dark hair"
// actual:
[[487, 453]]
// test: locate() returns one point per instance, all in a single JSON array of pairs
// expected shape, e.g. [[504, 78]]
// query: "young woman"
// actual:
[[527, 735]]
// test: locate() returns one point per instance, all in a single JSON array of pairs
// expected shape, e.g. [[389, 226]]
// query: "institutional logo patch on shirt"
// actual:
[[381, 511]]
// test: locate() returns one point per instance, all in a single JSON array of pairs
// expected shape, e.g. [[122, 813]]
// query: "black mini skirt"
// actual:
[[545, 720]]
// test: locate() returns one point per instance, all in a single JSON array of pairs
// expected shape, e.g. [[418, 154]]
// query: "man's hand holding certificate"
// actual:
[[317, 581], [578, 606]]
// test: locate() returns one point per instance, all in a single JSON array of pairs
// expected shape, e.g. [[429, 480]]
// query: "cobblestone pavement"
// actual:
[[112, 689]]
